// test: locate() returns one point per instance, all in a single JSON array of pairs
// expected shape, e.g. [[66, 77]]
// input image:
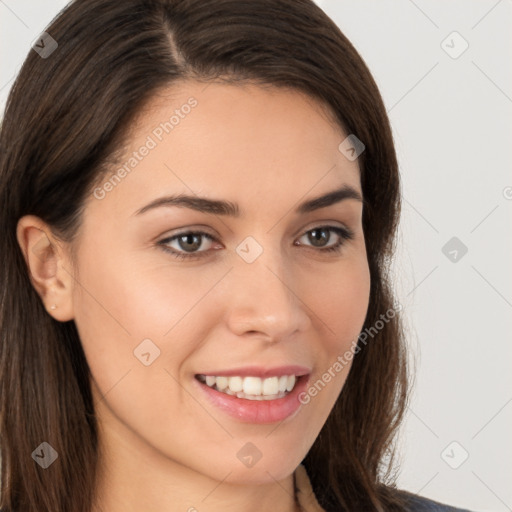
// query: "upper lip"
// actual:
[[260, 371]]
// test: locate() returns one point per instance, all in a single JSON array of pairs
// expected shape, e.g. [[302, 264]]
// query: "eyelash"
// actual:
[[344, 234]]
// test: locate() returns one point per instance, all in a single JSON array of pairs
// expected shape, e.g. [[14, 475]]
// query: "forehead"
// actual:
[[228, 141]]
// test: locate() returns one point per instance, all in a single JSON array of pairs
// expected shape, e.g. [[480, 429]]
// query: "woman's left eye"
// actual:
[[190, 241], [317, 235]]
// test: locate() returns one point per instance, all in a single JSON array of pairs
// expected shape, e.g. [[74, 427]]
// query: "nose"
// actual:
[[264, 299]]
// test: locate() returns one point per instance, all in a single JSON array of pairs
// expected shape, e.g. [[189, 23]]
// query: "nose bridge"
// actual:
[[263, 297]]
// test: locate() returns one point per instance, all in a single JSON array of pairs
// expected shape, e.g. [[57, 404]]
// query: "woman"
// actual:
[[199, 204]]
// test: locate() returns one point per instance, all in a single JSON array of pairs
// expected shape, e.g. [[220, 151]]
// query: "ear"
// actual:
[[49, 266]]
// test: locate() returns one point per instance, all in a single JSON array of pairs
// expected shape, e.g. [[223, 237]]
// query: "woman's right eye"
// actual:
[[187, 244]]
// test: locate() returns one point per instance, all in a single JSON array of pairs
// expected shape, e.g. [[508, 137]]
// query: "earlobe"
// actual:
[[47, 266]]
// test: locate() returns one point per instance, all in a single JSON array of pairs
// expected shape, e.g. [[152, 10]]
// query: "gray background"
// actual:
[[451, 117]]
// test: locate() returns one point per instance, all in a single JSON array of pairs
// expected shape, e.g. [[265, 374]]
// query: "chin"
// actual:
[[259, 475], [265, 470]]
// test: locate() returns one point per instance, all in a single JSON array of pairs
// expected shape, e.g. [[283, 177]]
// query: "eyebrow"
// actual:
[[227, 208]]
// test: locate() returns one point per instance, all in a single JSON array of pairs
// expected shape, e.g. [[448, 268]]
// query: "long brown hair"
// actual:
[[67, 115]]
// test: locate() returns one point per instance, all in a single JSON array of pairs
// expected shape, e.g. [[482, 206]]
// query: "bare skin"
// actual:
[[164, 446]]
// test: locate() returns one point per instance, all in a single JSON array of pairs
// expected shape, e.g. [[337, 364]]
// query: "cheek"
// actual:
[[139, 323], [123, 312], [138, 327], [342, 303], [127, 300]]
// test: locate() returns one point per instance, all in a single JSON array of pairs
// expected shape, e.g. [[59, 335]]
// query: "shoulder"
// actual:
[[415, 503]]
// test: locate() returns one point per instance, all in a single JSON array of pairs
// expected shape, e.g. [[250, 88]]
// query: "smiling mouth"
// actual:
[[251, 388]]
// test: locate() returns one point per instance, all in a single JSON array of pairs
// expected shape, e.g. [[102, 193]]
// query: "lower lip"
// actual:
[[257, 411]]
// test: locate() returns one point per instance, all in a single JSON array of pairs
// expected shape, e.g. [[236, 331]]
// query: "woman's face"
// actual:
[[251, 301]]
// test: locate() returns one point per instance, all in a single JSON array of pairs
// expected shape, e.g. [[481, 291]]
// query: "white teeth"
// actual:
[[271, 386], [290, 383], [221, 382], [283, 380], [251, 388], [235, 384]]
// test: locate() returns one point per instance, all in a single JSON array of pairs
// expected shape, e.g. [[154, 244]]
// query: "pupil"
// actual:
[[189, 240], [315, 238]]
